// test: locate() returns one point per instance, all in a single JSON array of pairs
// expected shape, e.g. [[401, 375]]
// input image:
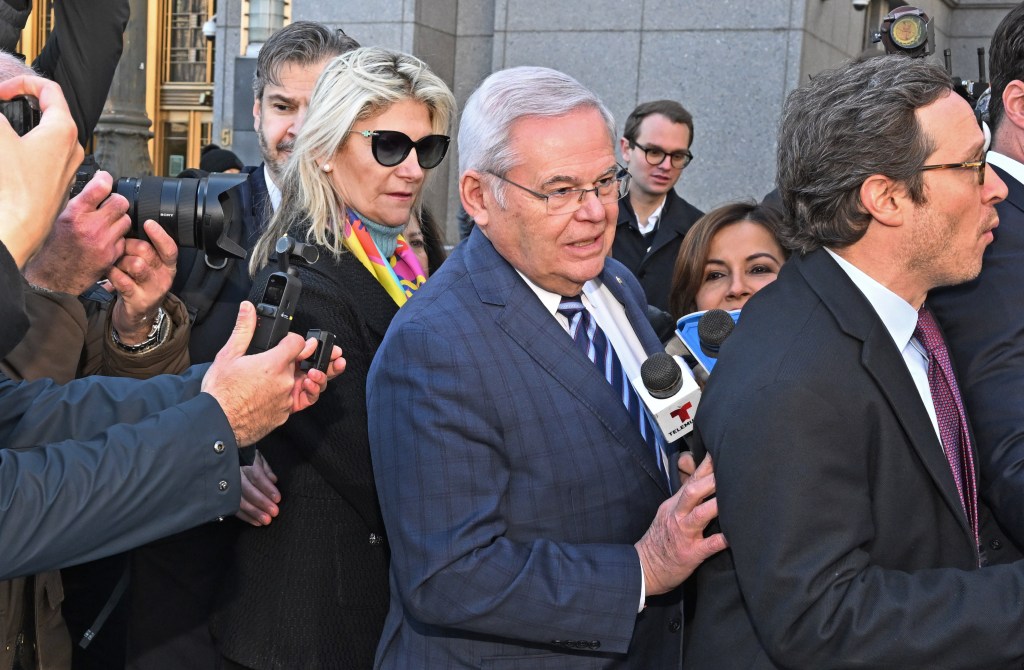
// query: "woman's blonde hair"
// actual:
[[354, 86]]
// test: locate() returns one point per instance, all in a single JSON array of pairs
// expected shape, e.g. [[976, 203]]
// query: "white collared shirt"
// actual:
[[272, 190], [652, 220], [899, 318], [1004, 162]]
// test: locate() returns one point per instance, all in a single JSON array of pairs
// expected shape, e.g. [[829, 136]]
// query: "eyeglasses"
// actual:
[[972, 165], [608, 189], [391, 147], [969, 165], [655, 156]]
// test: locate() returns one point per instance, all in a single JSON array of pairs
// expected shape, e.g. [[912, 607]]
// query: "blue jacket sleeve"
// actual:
[[75, 486]]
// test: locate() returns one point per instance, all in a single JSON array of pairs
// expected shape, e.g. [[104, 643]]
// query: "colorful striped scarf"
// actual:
[[400, 275]]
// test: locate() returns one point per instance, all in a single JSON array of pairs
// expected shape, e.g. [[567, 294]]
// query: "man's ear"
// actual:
[[475, 195], [887, 201], [624, 149], [257, 110], [1013, 103]]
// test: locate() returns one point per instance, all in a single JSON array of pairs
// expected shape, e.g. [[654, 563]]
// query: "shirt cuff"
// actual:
[[643, 589]]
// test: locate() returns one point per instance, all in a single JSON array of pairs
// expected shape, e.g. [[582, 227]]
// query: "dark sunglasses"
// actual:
[[391, 147]]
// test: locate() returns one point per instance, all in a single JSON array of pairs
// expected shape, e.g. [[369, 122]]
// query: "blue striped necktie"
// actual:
[[591, 340]]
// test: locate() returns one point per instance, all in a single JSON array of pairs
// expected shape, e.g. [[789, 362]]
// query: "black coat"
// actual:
[[654, 267], [311, 589], [849, 546]]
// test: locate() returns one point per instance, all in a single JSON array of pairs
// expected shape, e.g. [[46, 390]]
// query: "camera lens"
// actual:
[[169, 202], [194, 212]]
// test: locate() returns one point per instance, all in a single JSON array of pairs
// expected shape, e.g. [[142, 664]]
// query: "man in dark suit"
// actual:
[[176, 579], [652, 221], [512, 479], [846, 472], [982, 318]]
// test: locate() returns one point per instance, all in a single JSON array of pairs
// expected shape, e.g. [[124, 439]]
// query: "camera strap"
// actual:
[[203, 285]]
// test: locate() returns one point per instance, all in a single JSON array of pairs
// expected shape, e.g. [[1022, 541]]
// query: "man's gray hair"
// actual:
[[507, 96], [844, 126], [11, 66], [300, 43]]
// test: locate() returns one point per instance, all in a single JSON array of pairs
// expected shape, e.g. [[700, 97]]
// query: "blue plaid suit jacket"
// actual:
[[512, 482]]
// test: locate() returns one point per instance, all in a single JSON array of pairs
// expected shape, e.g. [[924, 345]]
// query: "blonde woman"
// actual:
[[309, 586]]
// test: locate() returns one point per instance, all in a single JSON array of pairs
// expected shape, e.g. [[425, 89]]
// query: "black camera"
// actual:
[[194, 212], [22, 112], [276, 309]]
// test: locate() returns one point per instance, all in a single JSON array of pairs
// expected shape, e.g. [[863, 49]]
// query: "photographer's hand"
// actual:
[[86, 240], [259, 392], [38, 168], [142, 277]]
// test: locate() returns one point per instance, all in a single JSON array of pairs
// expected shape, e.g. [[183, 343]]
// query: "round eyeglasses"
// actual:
[[391, 147], [655, 156]]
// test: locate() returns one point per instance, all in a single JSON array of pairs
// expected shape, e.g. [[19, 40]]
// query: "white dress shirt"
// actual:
[[899, 318], [1004, 162]]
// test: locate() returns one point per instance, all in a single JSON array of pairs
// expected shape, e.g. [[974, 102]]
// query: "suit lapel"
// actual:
[[884, 363], [528, 323]]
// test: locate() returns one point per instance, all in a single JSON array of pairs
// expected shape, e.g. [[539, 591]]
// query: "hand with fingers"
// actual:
[[674, 545], [259, 392], [260, 496], [86, 240], [38, 167], [142, 277]]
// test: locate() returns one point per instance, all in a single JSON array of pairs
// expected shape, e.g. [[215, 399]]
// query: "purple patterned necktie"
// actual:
[[594, 344], [949, 411]]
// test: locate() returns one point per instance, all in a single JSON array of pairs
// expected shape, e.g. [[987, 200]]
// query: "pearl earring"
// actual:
[[326, 167]]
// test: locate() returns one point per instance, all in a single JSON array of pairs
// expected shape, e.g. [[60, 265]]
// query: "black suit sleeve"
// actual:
[[82, 53], [13, 319]]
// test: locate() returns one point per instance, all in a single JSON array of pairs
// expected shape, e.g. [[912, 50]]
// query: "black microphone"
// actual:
[[703, 334], [670, 394], [661, 375], [712, 329]]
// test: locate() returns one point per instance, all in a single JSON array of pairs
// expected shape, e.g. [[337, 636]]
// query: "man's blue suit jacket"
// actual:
[[513, 483]]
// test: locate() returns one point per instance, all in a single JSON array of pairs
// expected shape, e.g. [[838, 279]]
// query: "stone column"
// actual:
[[121, 136]]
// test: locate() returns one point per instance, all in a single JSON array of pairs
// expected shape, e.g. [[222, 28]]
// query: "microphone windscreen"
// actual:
[[714, 327], [661, 375]]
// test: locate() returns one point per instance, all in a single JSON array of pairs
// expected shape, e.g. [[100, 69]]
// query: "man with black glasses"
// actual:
[[652, 221]]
